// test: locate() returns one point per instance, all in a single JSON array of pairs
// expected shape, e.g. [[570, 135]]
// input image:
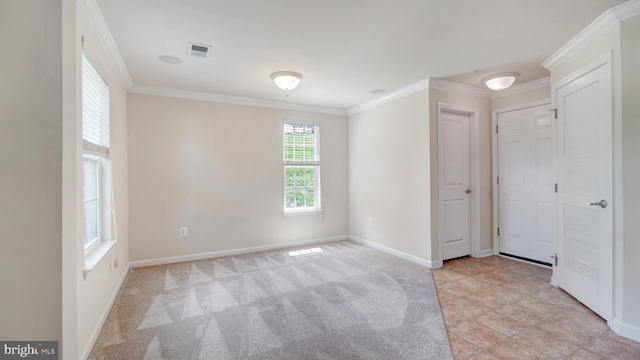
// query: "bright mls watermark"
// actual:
[[29, 350]]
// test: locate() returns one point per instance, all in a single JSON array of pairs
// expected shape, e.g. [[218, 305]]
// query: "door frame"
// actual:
[[494, 162], [474, 170]]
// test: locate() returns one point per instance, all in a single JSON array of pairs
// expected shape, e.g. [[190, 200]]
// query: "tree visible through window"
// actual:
[[301, 167]]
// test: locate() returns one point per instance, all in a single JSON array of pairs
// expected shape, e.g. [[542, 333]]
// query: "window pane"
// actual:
[[310, 196], [91, 200], [288, 152], [290, 194], [90, 221], [90, 179], [309, 177], [300, 197], [299, 179], [289, 178]]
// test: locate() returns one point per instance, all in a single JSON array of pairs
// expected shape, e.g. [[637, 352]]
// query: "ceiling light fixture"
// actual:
[[500, 81], [169, 59], [286, 80]]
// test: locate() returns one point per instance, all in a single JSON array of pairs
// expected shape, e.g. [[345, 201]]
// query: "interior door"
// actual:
[[525, 170], [454, 179], [584, 223]]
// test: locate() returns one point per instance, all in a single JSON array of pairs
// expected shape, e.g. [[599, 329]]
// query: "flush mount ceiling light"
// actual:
[[286, 80], [500, 81]]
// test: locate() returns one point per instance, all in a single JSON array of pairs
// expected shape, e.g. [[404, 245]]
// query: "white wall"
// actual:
[[217, 169], [630, 98], [483, 105], [72, 224], [31, 170], [389, 176], [96, 293]]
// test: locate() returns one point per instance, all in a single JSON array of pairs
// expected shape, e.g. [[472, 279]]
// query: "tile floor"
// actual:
[[498, 308]]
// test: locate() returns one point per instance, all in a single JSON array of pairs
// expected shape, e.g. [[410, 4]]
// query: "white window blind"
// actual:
[[95, 109], [301, 145]]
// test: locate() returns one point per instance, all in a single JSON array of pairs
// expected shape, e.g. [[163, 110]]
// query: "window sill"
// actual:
[[92, 259], [302, 212]]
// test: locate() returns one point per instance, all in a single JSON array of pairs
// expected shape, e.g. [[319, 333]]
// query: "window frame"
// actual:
[[96, 123], [311, 164], [316, 190]]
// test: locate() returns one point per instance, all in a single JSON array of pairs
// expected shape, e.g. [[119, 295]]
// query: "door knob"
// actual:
[[467, 191], [601, 203]]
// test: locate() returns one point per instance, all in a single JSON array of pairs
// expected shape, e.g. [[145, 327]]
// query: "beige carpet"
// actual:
[[343, 302]]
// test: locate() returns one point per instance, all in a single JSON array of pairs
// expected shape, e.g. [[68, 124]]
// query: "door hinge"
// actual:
[[498, 230], [555, 113], [555, 259], [555, 187], [498, 180], [496, 129]]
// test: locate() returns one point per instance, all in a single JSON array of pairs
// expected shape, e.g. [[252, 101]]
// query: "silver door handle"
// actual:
[[601, 203], [468, 191]]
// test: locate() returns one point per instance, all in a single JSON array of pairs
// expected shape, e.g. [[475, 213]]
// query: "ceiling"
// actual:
[[344, 49]]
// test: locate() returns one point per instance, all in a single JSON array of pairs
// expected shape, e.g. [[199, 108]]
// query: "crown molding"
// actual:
[[92, 12], [460, 88], [432, 83], [396, 94], [591, 32], [236, 100], [520, 88]]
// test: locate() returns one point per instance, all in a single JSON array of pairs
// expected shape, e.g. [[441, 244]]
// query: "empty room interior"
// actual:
[[321, 180]]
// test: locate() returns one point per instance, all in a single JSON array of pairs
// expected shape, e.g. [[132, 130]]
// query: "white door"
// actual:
[[525, 170], [453, 180], [584, 224]]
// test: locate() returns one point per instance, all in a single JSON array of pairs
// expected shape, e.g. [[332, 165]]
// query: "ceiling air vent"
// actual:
[[199, 50]]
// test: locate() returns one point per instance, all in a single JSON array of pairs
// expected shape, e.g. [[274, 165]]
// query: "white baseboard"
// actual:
[[217, 254], [400, 254], [105, 313], [485, 253], [627, 330]]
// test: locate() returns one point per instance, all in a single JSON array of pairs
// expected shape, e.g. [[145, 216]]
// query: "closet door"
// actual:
[[454, 184], [584, 230]]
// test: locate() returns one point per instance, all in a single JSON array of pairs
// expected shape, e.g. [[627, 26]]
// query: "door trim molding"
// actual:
[[494, 164], [474, 171], [625, 329]]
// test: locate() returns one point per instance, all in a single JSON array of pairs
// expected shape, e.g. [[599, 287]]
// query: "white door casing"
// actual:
[[584, 230], [525, 188], [454, 181]]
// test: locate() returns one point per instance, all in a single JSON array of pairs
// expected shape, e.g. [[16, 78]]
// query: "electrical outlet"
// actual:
[[183, 231], [370, 221]]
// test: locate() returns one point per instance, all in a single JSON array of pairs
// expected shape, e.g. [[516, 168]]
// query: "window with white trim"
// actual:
[[95, 139], [301, 167]]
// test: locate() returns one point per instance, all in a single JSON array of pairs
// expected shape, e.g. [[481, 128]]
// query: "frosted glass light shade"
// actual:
[[500, 81], [286, 80]]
